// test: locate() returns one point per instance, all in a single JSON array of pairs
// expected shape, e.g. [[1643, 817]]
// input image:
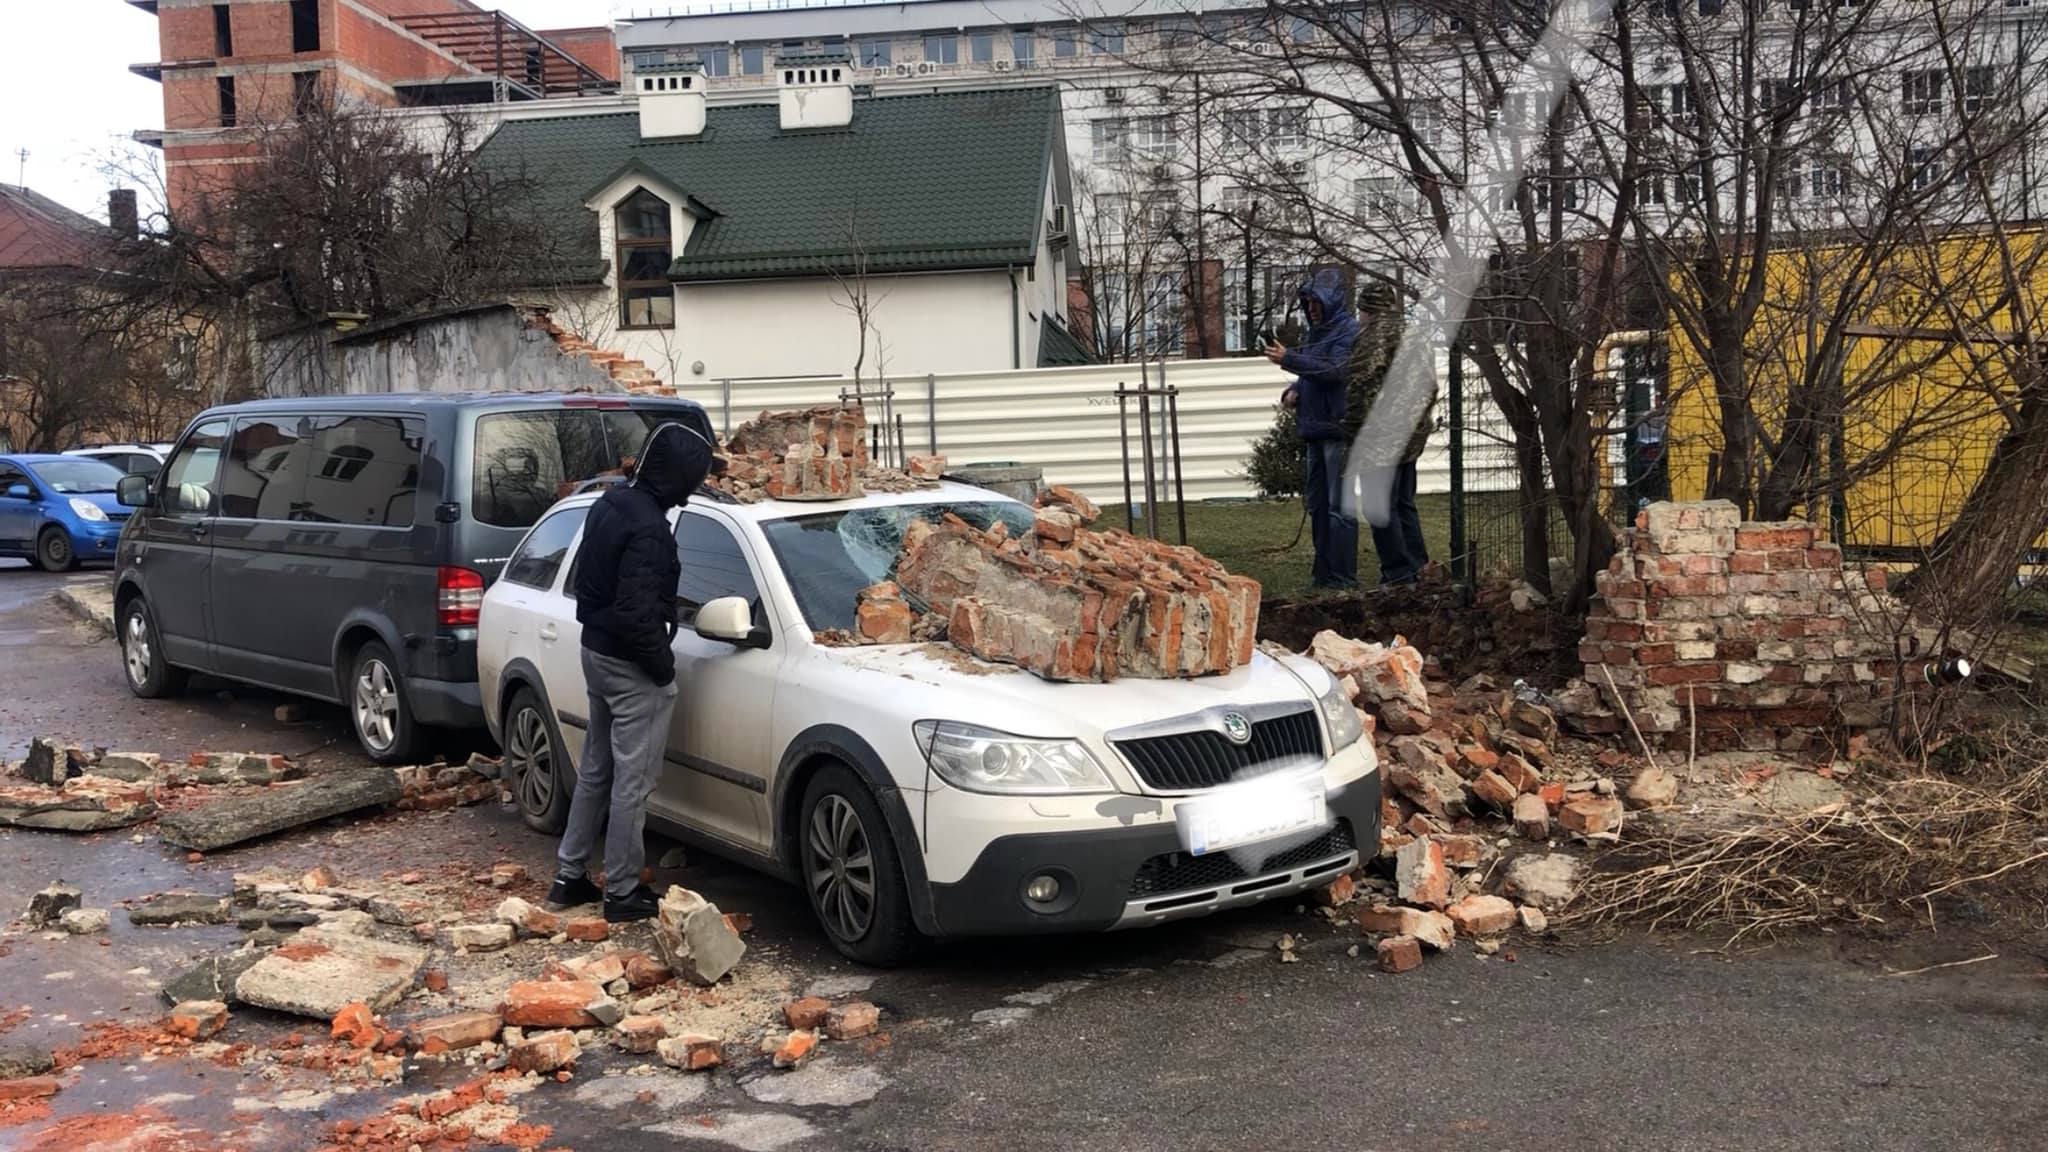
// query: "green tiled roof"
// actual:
[[916, 183], [1059, 348]]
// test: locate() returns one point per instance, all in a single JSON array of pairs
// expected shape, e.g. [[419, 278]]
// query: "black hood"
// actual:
[[672, 464]]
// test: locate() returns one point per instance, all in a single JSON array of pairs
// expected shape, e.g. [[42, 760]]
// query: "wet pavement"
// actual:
[[1190, 1036]]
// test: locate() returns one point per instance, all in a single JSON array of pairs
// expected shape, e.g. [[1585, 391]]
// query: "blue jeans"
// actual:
[[1334, 531], [1401, 550]]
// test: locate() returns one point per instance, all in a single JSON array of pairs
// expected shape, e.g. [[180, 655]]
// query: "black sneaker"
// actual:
[[639, 904], [570, 893]]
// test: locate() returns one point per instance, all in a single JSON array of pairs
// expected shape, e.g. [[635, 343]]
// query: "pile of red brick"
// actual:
[[1070, 603], [1755, 632], [811, 454]]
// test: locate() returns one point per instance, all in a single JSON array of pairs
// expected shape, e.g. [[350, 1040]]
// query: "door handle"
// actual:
[[547, 631], [198, 531]]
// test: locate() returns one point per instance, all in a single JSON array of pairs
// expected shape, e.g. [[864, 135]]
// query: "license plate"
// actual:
[[1250, 813]]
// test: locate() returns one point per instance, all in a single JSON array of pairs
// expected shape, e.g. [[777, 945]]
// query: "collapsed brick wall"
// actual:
[[809, 454], [1755, 632], [1071, 603], [628, 374]]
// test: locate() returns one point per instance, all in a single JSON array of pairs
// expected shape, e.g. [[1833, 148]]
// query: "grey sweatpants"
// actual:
[[629, 715]]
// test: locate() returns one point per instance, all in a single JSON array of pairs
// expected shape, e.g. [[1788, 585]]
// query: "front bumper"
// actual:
[[1135, 872], [93, 540]]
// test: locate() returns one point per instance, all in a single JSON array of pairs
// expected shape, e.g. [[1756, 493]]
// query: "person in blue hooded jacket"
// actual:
[[1317, 396]]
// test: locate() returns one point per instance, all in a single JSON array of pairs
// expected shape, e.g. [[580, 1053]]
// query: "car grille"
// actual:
[[1189, 761], [1178, 871]]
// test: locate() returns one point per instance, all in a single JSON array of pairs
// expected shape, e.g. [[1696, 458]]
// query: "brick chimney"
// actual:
[[122, 215], [817, 91], [671, 101]]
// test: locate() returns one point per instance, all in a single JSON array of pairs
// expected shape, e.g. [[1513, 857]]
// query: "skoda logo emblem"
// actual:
[[1237, 728]]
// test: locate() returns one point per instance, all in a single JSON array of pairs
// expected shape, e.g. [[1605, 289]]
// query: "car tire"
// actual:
[[54, 551], [537, 764], [142, 655], [840, 824], [377, 707]]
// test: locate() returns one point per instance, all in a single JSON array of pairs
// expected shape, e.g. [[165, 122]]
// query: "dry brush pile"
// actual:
[[1969, 822]]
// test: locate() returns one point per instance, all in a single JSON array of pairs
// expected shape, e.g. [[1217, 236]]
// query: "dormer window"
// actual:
[[646, 299]]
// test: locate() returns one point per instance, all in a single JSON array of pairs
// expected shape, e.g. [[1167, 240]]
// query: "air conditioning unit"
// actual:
[[1294, 168], [926, 67], [883, 72], [1161, 172], [1058, 224], [1165, 95], [1112, 95], [904, 70], [1002, 65]]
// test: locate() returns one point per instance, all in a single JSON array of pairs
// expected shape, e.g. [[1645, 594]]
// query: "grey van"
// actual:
[[338, 547]]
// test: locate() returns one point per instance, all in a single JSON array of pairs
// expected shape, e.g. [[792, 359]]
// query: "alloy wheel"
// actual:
[[841, 867], [532, 759], [376, 705], [136, 644]]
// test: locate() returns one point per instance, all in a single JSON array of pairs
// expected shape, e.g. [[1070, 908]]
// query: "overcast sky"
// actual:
[[67, 96]]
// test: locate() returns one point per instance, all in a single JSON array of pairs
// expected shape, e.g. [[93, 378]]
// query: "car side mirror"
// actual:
[[132, 491], [730, 619], [18, 492]]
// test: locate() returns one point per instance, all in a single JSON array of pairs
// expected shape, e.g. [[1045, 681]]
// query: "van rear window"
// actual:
[[525, 461]]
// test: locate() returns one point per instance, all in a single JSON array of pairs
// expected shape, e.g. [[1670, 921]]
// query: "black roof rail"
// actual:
[[716, 495]]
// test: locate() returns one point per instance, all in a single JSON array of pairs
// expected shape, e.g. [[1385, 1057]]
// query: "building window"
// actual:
[[1822, 179], [1920, 91], [1650, 190], [1979, 82], [1287, 126], [225, 85], [1243, 127], [872, 53], [646, 298], [1674, 103], [1385, 196], [753, 60], [1926, 165], [1301, 30], [1109, 140], [1106, 39], [1177, 33], [1426, 117], [981, 47], [942, 49], [223, 31], [1024, 48], [715, 61], [1066, 43], [305, 25], [1154, 134], [305, 92]]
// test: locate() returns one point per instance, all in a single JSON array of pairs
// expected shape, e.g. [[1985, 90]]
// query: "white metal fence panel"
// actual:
[[1065, 421]]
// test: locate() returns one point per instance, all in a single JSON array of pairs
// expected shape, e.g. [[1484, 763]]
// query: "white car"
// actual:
[[913, 791], [133, 459]]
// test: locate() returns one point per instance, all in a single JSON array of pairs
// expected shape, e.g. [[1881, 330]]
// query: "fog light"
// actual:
[[1042, 890]]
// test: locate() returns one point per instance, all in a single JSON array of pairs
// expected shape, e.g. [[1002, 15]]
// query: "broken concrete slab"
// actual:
[[213, 977], [22, 1060], [46, 762], [828, 1083], [82, 804], [239, 768], [694, 939], [322, 971], [168, 908], [50, 903], [1547, 882], [84, 921], [133, 767], [238, 819]]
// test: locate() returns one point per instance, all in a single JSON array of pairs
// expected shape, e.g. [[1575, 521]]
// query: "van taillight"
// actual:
[[459, 596]]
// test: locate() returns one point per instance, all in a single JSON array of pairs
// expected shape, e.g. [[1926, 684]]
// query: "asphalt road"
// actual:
[[1188, 1037]]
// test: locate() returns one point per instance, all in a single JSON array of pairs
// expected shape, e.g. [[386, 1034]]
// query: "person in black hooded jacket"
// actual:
[[625, 587]]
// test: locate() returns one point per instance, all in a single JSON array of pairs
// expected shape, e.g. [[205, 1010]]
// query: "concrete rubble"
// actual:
[[696, 941]]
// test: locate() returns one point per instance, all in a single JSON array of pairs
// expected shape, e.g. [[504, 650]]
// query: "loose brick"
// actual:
[[795, 1049], [853, 1020], [641, 1034], [1399, 954], [589, 930], [1590, 815], [543, 1053], [551, 1004], [692, 1052], [455, 1031], [197, 1019], [1532, 817], [1494, 791], [1481, 915], [1421, 875], [1432, 928], [806, 1013]]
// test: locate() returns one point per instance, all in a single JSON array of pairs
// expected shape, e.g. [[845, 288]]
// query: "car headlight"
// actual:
[[983, 760], [87, 510], [1340, 716]]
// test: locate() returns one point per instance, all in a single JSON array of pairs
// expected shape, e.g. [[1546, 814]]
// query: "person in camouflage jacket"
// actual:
[[1400, 546]]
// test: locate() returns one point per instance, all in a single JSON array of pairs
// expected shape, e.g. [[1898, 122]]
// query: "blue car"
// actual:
[[59, 510]]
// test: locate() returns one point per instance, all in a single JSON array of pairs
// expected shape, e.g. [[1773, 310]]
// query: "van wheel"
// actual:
[[142, 656], [536, 766], [851, 873], [54, 552], [377, 705]]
